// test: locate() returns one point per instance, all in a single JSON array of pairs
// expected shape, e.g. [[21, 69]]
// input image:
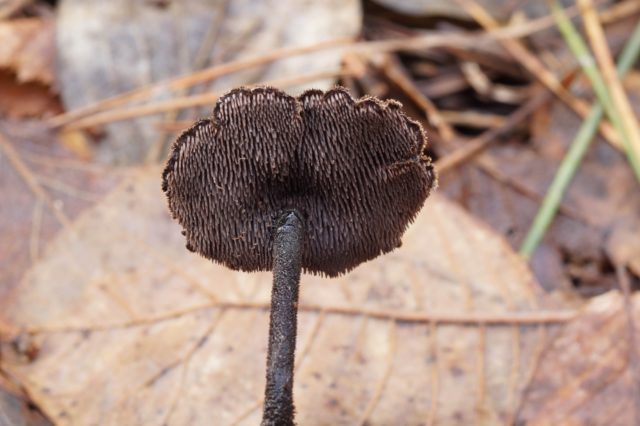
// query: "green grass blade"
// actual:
[[583, 138]]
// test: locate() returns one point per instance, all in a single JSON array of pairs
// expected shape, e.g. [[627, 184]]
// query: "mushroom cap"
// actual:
[[355, 170]]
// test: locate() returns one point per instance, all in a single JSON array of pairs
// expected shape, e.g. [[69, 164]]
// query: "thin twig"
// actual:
[[480, 82], [619, 11], [186, 102], [403, 44], [398, 76], [449, 318], [477, 145], [189, 80], [473, 119], [620, 102], [71, 164], [536, 67]]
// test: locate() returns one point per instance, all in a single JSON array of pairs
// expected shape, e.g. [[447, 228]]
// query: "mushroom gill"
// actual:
[[355, 170]]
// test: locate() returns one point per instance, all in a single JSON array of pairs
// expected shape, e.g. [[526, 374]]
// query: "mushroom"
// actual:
[[320, 182]]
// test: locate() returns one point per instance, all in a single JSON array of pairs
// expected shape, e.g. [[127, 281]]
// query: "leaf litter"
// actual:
[[589, 374], [180, 340], [130, 312]]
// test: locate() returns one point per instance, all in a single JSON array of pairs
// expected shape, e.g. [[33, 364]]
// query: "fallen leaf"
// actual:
[[131, 328], [43, 187], [28, 49], [106, 48], [589, 374], [602, 196], [26, 100]]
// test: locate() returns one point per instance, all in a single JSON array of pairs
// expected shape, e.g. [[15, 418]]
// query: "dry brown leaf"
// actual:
[[134, 329], [589, 374], [27, 49], [43, 188], [26, 100], [602, 198]]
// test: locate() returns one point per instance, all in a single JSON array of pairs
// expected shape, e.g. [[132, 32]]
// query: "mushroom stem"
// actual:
[[287, 265]]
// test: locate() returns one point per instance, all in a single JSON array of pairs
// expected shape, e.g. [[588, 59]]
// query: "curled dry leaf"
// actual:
[[27, 49], [25, 100], [589, 374], [133, 329]]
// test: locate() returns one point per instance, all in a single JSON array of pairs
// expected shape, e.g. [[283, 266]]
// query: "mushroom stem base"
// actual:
[[287, 265]]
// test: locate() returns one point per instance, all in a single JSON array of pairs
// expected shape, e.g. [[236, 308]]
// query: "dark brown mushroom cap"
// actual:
[[355, 170]]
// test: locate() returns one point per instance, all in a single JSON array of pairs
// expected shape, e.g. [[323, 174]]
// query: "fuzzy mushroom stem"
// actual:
[[287, 265]]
